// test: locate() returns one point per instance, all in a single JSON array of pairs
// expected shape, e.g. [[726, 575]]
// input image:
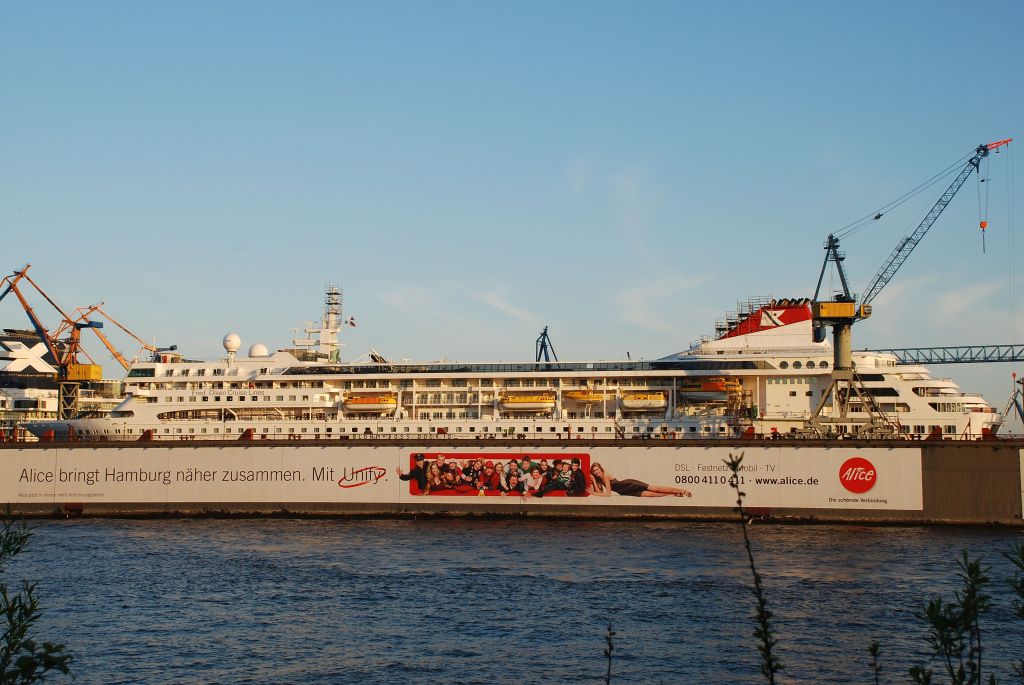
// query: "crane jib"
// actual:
[[907, 245]]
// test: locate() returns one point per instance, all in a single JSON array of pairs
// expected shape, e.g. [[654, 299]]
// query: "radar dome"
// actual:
[[232, 342], [259, 350]]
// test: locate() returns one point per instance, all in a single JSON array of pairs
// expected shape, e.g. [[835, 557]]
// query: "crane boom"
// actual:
[[44, 335], [907, 245]]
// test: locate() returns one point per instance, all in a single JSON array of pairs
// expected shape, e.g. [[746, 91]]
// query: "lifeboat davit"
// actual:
[[585, 396], [371, 403], [542, 402], [643, 401]]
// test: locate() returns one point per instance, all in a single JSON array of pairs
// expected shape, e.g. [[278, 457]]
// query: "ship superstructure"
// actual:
[[761, 374]]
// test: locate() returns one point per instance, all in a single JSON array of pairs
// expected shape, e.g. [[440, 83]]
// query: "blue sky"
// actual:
[[472, 171]]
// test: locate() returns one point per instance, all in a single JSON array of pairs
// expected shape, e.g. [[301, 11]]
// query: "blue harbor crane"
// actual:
[[545, 350], [844, 309]]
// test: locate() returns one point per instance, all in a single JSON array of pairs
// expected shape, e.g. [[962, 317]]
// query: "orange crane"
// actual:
[[82, 315], [71, 372]]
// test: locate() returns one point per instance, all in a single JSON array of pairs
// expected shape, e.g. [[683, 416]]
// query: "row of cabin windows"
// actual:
[[810, 364], [408, 429], [241, 398], [920, 430]]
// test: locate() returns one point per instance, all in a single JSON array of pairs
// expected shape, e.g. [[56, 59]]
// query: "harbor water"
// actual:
[[494, 601]]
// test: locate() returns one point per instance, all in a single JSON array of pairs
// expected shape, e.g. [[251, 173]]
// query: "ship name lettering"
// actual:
[[224, 393]]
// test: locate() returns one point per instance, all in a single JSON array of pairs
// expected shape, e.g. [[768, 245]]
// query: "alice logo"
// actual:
[[368, 475]]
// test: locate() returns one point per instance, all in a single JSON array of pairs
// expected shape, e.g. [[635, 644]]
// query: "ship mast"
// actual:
[[326, 340]]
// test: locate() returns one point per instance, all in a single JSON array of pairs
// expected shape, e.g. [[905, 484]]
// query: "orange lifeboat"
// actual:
[[371, 403], [643, 401], [585, 396], [534, 402]]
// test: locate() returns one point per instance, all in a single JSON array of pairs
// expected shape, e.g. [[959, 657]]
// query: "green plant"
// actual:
[[1016, 557], [955, 628], [770, 664], [22, 659]]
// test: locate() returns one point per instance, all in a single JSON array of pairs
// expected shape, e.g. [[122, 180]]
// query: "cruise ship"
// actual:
[[762, 374]]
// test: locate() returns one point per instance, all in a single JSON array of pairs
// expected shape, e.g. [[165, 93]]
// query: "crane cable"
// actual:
[[854, 227], [983, 205], [1010, 225]]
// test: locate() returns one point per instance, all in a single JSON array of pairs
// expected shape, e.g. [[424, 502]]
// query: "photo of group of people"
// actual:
[[524, 475]]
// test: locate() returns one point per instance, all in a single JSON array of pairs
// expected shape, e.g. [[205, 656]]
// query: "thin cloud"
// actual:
[[499, 302], [966, 297], [648, 304]]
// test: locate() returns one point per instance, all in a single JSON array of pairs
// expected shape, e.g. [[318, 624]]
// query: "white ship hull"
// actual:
[[775, 374]]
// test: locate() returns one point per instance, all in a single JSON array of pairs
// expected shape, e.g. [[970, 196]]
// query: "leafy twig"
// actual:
[[22, 660], [608, 653], [770, 664], [876, 668]]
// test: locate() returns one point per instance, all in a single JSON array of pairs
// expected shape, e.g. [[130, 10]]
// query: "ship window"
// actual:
[[784, 365], [405, 430], [241, 398], [230, 398], [721, 429], [206, 399], [824, 365], [919, 429], [303, 429], [607, 429], [950, 429], [810, 365], [217, 398], [355, 430], [693, 429], [810, 392], [797, 365], [267, 430], [792, 393]]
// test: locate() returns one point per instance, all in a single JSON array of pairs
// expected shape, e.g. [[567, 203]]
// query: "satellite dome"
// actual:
[[259, 350], [232, 342]]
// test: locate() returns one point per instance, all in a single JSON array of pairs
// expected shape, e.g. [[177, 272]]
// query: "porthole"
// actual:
[[783, 365], [810, 365], [797, 365], [824, 365]]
